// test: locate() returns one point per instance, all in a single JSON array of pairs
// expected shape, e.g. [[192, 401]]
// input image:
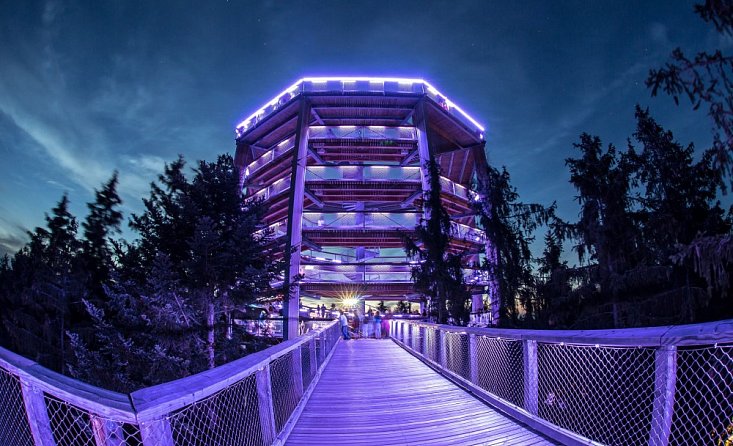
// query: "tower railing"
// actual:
[[251, 401], [643, 386], [379, 86]]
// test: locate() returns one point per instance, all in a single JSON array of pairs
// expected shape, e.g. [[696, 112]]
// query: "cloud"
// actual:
[[13, 236], [659, 34]]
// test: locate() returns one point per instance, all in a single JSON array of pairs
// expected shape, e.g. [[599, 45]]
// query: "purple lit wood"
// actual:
[[374, 392]]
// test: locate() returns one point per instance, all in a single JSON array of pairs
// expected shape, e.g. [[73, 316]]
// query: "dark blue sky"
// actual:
[[89, 87]]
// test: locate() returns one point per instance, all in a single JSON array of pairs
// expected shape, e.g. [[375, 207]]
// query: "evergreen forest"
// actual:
[[652, 245]]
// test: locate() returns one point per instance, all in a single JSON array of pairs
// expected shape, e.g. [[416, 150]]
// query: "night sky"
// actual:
[[89, 87]]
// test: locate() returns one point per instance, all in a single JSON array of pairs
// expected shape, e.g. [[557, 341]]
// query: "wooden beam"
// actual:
[[294, 233], [409, 157], [316, 117], [312, 197], [424, 151]]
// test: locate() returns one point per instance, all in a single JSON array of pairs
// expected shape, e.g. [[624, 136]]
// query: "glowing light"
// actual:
[[349, 302], [294, 89]]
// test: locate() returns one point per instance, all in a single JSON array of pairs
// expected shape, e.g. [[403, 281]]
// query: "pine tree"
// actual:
[[509, 225], [44, 280], [439, 274], [706, 80], [201, 254], [102, 222]]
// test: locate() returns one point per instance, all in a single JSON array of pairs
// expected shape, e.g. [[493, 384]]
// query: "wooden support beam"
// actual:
[[409, 157], [665, 384], [424, 152], [313, 154], [316, 117], [35, 410], [264, 403], [472, 358], [312, 197], [294, 236], [407, 202], [443, 354], [531, 376], [156, 432]]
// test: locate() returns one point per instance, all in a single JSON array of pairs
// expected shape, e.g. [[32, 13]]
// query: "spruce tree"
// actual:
[[509, 225], [438, 274]]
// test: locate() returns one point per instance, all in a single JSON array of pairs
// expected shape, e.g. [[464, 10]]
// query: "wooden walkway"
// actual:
[[375, 393]]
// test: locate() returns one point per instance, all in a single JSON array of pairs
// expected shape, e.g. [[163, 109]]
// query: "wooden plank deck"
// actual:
[[375, 393]]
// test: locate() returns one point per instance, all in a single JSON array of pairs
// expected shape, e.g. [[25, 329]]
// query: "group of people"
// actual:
[[370, 325]]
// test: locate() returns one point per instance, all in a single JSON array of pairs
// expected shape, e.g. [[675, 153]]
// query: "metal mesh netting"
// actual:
[[703, 412], [72, 426], [415, 338], [14, 427], [501, 368], [420, 341], [285, 394], [308, 369], [320, 352], [432, 344], [605, 394], [228, 417], [456, 349]]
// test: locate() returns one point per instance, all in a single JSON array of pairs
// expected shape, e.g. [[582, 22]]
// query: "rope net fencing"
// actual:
[[250, 408], [676, 391]]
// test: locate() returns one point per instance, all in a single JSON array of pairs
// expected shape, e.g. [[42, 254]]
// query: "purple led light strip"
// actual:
[[296, 87]]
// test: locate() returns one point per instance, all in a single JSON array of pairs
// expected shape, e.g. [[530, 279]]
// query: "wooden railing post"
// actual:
[[313, 358], [322, 351], [423, 333], [264, 400], [107, 432], [472, 358], [35, 410], [531, 376], [665, 383], [297, 370], [443, 353], [156, 432]]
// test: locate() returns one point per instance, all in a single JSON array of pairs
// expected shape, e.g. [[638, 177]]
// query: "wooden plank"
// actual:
[[665, 382], [374, 392], [35, 409]]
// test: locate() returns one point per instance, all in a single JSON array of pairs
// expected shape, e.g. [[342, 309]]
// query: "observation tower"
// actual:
[[342, 164]]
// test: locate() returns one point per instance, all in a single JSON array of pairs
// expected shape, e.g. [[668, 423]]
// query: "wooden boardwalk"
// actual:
[[375, 393]]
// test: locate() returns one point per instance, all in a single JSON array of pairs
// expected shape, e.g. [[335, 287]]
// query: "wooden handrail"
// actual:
[[679, 335]]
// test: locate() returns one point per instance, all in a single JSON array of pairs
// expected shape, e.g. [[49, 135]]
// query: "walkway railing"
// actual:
[[250, 401], [647, 386]]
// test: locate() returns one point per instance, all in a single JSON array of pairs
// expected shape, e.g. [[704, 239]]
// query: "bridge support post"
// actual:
[[264, 402], [35, 410], [297, 368], [313, 358], [320, 348], [291, 291], [422, 332], [443, 354], [472, 358], [665, 383], [156, 432], [107, 432], [531, 376]]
